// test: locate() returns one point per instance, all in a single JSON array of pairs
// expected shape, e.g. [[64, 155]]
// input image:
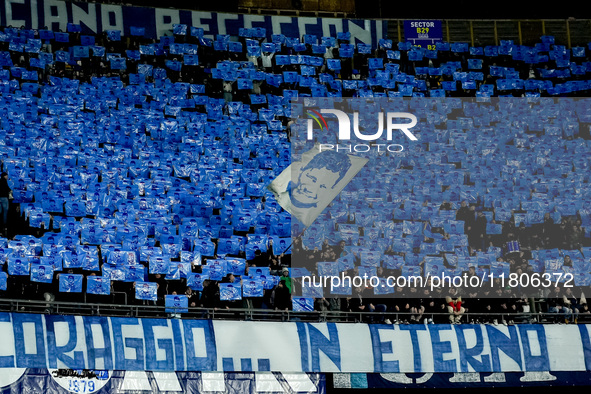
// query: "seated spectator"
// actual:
[[556, 305]]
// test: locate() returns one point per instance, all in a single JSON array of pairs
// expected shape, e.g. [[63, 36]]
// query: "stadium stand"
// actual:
[[138, 167]]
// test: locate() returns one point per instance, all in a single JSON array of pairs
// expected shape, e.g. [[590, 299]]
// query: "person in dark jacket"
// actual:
[[281, 297], [4, 203]]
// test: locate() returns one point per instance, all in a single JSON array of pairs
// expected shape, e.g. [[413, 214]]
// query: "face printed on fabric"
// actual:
[[321, 174], [311, 183]]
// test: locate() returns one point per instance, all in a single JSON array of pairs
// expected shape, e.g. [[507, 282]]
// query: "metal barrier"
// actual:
[[157, 311]]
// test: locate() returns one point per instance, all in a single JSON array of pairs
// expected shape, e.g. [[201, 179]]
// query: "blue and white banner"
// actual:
[[459, 380], [133, 344], [116, 20], [57, 381]]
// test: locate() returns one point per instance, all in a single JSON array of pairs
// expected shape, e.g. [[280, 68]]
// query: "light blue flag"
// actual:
[[176, 303], [230, 291], [252, 287], [134, 273], [178, 270], [159, 265], [42, 273], [99, 285], [302, 304], [236, 265], [19, 266], [70, 283], [195, 281], [146, 291]]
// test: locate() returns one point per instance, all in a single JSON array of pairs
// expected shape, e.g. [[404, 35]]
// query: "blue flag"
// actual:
[[100, 285], [195, 281], [230, 292], [70, 283], [42, 273], [252, 287], [114, 35], [159, 264], [146, 291], [176, 303], [303, 304], [19, 265]]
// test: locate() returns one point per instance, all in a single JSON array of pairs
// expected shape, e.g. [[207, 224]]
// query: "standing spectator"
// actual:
[[281, 297], [478, 231], [286, 278], [548, 232], [464, 213], [576, 237], [5, 192]]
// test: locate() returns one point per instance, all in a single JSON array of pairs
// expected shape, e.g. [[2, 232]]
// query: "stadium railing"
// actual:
[[253, 314]]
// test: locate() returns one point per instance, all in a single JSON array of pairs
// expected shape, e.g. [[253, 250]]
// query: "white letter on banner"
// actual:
[[302, 22], [404, 379], [497, 377], [34, 17], [60, 16], [541, 376], [465, 377], [357, 32], [165, 27], [327, 23], [222, 18], [277, 21], [88, 18], [8, 13], [108, 11], [8, 350], [197, 18], [397, 377], [249, 19]]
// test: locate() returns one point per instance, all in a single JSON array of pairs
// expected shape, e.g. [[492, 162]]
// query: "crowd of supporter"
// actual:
[[228, 77]]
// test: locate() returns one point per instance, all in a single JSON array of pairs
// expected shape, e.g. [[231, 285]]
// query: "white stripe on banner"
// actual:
[[299, 382], [167, 381], [136, 380], [266, 382], [213, 381]]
